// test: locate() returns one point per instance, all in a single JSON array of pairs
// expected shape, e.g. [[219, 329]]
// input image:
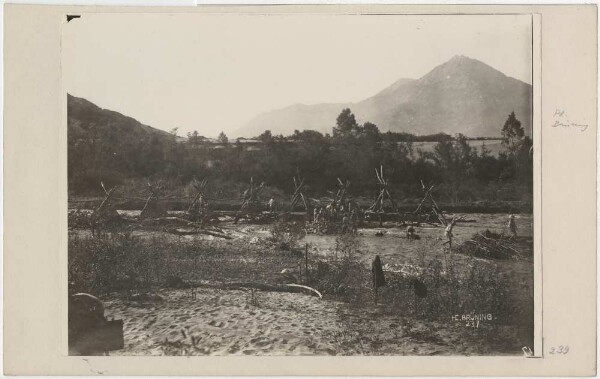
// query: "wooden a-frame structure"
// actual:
[[105, 212], [152, 209], [428, 199], [196, 207], [251, 201], [342, 192], [298, 194], [384, 193]]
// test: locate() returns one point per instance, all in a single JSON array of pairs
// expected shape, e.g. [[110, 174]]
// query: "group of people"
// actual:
[[512, 227], [411, 234]]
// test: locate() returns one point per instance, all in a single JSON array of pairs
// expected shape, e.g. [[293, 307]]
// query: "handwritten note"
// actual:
[[562, 121]]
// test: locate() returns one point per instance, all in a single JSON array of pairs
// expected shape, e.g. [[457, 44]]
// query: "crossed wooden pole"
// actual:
[[342, 190], [152, 199], [428, 197], [103, 207], [250, 197], [200, 187], [377, 206], [298, 195]]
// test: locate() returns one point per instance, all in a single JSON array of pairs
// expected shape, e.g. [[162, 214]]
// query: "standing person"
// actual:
[[271, 205], [333, 211], [329, 210], [512, 225], [377, 275], [448, 232], [345, 224]]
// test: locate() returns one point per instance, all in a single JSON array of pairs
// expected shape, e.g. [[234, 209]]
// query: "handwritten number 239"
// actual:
[[559, 350]]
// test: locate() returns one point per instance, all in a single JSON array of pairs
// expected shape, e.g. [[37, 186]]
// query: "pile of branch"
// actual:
[[490, 245]]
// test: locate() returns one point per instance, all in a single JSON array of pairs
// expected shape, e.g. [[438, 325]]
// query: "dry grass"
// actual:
[[117, 261]]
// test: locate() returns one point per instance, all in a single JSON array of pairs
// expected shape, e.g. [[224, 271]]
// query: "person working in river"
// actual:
[[354, 221], [448, 232], [271, 205]]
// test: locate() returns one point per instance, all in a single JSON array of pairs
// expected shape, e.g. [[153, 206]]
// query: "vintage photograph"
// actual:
[[299, 184]]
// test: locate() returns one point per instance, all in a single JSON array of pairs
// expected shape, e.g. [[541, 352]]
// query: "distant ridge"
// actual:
[[462, 95]]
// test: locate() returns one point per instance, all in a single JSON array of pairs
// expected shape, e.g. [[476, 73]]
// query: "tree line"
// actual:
[[352, 151]]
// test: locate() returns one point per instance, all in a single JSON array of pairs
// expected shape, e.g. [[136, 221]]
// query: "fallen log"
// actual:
[[208, 232], [307, 288], [292, 288], [189, 232]]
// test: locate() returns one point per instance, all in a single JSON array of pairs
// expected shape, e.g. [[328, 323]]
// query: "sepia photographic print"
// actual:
[[300, 184]]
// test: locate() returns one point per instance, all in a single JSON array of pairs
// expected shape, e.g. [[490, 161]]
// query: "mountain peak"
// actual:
[[458, 58], [464, 61], [465, 68], [461, 95]]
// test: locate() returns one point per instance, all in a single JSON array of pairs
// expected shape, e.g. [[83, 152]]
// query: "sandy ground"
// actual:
[[226, 322], [229, 322]]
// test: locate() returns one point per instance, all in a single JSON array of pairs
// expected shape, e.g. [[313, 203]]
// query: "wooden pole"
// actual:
[[392, 200], [304, 201], [306, 262]]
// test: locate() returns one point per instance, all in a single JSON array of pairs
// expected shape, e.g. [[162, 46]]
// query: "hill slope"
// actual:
[[106, 146], [85, 118], [462, 95]]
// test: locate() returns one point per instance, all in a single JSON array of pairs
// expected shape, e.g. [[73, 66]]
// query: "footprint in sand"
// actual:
[[260, 341], [248, 352], [218, 324]]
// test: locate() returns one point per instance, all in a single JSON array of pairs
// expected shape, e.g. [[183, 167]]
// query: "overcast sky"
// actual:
[[216, 72]]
